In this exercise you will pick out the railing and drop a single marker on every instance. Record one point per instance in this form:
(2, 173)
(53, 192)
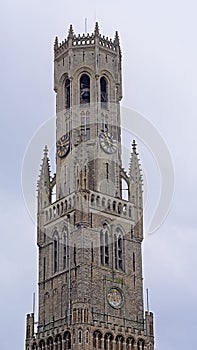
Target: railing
(92, 200)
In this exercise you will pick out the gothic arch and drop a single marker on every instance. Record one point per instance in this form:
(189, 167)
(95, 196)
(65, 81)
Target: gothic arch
(141, 344)
(97, 344)
(50, 343)
(119, 248)
(64, 247)
(77, 77)
(55, 237)
(41, 345)
(108, 341)
(119, 342)
(84, 88)
(104, 91)
(80, 336)
(67, 340)
(58, 341)
(130, 343)
(105, 243)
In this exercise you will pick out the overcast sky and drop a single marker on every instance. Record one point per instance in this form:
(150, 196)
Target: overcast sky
(158, 41)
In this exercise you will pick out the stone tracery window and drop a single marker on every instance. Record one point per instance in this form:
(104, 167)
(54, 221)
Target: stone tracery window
(111, 248)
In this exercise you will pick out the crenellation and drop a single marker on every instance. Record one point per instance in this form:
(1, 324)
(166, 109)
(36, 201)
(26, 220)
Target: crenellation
(86, 40)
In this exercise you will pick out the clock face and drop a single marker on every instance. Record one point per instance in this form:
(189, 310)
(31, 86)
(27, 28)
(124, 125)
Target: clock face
(63, 146)
(107, 142)
(115, 297)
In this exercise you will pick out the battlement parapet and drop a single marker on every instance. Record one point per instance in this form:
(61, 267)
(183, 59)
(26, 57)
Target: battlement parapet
(84, 40)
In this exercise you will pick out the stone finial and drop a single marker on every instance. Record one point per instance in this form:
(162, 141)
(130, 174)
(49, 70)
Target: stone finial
(134, 168)
(116, 39)
(44, 177)
(46, 151)
(56, 44)
(96, 30)
(70, 32)
(134, 146)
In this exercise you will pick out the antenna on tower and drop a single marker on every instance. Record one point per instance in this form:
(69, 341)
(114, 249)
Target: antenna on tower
(86, 25)
(147, 298)
(33, 304)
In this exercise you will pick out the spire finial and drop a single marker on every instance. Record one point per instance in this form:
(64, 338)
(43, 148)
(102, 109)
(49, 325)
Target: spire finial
(56, 43)
(134, 145)
(70, 32)
(116, 39)
(96, 31)
(46, 151)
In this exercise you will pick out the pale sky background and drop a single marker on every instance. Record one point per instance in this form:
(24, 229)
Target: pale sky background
(159, 46)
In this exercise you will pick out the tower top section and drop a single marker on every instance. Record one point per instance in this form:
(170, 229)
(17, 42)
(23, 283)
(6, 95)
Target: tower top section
(86, 40)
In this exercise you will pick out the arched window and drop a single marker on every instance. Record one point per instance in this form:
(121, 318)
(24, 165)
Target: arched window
(50, 343)
(58, 341)
(119, 342)
(80, 336)
(104, 246)
(140, 344)
(103, 89)
(130, 344)
(108, 341)
(67, 341)
(67, 93)
(65, 249)
(84, 89)
(118, 249)
(87, 337)
(97, 336)
(55, 252)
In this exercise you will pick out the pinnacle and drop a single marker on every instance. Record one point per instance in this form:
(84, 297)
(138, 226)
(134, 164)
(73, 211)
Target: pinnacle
(46, 151)
(70, 32)
(134, 146)
(116, 40)
(96, 31)
(56, 42)
(134, 169)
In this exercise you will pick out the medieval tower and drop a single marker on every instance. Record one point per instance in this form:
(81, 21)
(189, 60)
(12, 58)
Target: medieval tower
(89, 238)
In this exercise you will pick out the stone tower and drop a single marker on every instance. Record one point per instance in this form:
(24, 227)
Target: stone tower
(89, 238)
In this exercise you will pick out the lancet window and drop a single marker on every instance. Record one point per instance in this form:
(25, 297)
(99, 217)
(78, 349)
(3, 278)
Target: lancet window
(67, 93)
(103, 90)
(84, 89)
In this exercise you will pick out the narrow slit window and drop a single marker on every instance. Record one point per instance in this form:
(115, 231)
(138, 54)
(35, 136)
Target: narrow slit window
(107, 171)
(55, 256)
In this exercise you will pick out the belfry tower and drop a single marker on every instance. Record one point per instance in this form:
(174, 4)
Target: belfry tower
(89, 238)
